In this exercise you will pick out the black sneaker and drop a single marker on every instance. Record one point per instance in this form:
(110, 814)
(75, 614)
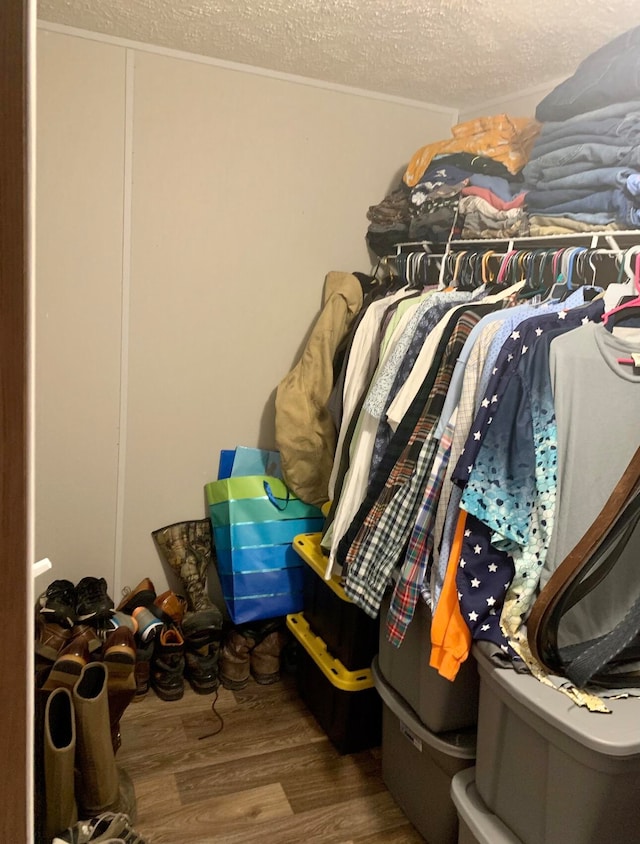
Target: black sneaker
(93, 601)
(58, 603)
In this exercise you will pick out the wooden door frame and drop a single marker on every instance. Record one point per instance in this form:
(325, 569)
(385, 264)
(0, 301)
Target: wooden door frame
(15, 381)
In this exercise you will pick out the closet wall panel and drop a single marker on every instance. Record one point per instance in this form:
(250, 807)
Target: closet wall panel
(522, 104)
(80, 144)
(246, 191)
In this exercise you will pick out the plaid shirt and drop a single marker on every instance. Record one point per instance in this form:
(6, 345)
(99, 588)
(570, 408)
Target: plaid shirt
(380, 542)
(414, 568)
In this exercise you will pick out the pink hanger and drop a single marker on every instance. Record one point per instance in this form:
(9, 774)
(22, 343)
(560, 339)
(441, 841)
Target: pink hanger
(633, 303)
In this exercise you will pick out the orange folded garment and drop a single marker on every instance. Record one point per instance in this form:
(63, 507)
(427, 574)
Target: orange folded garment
(505, 139)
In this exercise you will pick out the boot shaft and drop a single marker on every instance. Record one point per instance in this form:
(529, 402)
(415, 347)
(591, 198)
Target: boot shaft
(188, 549)
(59, 762)
(97, 785)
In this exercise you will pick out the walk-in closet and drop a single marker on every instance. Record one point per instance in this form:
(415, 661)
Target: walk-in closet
(320, 380)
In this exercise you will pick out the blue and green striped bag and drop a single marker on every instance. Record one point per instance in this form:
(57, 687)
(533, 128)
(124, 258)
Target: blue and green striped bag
(255, 519)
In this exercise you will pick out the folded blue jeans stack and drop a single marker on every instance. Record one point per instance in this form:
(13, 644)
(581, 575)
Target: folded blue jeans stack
(585, 163)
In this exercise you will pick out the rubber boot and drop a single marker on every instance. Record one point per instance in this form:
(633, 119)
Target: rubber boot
(59, 757)
(265, 655)
(235, 658)
(202, 633)
(100, 786)
(188, 549)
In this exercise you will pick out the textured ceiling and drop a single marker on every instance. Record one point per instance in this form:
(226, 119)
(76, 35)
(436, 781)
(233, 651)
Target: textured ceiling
(449, 52)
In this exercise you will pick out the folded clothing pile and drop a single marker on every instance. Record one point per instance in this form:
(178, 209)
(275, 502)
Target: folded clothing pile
(473, 176)
(584, 169)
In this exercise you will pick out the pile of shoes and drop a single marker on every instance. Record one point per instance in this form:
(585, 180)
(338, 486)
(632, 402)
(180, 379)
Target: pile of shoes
(83, 686)
(173, 642)
(108, 827)
(252, 650)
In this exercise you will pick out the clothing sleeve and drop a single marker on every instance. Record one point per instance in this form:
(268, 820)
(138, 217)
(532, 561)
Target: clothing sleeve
(450, 636)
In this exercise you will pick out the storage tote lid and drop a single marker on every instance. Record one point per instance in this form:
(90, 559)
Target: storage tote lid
(460, 744)
(486, 827)
(615, 734)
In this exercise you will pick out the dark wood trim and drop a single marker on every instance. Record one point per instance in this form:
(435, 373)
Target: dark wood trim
(14, 373)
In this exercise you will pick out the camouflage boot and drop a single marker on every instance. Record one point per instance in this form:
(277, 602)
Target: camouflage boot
(188, 548)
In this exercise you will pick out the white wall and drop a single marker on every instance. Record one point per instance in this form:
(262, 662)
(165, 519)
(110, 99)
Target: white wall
(187, 216)
(521, 104)
(79, 201)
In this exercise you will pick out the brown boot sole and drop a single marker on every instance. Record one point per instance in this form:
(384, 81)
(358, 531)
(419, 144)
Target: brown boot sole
(234, 685)
(65, 673)
(266, 679)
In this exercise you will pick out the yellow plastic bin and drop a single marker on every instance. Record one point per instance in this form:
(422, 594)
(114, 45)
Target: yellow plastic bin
(344, 703)
(348, 632)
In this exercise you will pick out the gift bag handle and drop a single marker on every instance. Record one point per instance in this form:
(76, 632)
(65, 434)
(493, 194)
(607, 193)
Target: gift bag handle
(272, 498)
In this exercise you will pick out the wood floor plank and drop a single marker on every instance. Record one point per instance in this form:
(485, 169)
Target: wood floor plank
(174, 743)
(238, 774)
(156, 797)
(204, 821)
(312, 776)
(406, 834)
(270, 777)
(333, 780)
(360, 818)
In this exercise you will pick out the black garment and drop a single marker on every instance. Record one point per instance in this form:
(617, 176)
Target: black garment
(476, 164)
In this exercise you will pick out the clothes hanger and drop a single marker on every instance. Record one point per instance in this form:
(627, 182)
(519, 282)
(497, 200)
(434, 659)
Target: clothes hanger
(625, 311)
(564, 284)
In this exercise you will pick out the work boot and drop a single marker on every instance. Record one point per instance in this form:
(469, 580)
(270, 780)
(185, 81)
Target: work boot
(202, 633)
(119, 655)
(188, 549)
(235, 658)
(265, 654)
(167, 665)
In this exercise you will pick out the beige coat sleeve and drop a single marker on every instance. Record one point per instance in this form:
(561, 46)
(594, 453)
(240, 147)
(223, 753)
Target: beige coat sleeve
(305, 433)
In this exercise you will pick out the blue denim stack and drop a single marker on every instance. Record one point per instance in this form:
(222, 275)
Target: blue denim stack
(585, 164)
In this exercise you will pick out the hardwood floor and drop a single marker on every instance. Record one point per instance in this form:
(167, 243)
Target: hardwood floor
(270, 776)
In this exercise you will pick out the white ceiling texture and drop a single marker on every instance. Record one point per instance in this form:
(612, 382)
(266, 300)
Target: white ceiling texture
(453, 53)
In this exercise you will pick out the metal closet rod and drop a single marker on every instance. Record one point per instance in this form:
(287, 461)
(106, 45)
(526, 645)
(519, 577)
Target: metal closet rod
(617, 241)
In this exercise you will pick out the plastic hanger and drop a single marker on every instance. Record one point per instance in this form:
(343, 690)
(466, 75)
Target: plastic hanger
(628, 309)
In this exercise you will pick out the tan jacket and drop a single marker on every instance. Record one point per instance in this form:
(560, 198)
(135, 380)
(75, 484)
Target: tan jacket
(305, 432)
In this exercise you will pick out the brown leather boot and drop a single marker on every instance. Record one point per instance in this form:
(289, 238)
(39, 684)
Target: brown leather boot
(68, 666)
(119, 656)
(51, 638)
(265, 657)
(235, 658)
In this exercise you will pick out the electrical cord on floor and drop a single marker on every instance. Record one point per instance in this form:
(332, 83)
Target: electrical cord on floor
(218, 716)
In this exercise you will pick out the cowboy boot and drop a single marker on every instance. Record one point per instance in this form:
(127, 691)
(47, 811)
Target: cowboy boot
(235, 658)
(265, 655)
(202, 633)
(188, 548)
(119, 655)
(59, 755)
